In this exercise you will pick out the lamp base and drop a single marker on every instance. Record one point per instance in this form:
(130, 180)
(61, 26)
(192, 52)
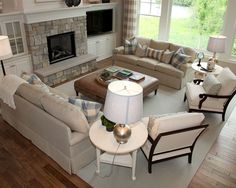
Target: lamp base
(121, 133)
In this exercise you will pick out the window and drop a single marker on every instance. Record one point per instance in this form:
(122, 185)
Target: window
(193, 21)
(15, 37)
(149, 18)
(234, 48)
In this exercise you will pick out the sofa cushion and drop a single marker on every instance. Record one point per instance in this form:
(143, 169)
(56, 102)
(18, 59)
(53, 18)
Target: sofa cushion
(130, 46)
(147, 63)
(143, 41)
(70, 114)
(167, 56)
(132, 59)
(155, 54)
(228, 80)
(141, 50)
(169, 69)
(159, 45)
(31, 93)
(211, 85)
(90, 109)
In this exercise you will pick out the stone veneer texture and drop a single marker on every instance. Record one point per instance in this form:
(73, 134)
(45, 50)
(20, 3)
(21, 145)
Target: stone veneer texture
(36, 35)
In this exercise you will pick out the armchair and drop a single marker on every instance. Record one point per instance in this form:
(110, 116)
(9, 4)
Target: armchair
(172, 136)
(200, 100)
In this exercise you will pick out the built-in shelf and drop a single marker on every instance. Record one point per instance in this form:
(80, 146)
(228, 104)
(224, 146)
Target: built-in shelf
(66, 64)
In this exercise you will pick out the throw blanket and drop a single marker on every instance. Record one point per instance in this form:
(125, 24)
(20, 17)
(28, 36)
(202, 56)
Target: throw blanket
(8, 87)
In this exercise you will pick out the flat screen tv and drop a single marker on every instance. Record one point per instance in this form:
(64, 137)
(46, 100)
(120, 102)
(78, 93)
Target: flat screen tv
(99, 21)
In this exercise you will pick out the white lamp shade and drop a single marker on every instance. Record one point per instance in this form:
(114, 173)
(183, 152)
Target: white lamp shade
(5, 48)
(216, 44)
(124, 102)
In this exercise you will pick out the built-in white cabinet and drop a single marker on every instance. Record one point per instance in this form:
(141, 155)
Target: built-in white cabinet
(17, 66)
(102, 45)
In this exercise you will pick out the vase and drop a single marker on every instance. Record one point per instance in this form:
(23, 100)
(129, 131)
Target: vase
(77, 2)
(69, 3)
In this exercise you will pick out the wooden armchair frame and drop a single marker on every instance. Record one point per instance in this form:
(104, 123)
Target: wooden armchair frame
(155, 143)
(203, 97)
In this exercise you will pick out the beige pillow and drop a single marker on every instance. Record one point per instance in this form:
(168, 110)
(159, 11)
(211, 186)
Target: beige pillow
(155, 54)
(70, 114)
(141, 50)
(228, 80)
(211, 85)
(167, 56)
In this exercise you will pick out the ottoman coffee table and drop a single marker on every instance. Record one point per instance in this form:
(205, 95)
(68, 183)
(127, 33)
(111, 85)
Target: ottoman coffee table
(91, 88)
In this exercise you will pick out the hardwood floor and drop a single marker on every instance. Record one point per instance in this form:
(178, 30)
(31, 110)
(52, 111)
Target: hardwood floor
(219, 167)
(24, 165)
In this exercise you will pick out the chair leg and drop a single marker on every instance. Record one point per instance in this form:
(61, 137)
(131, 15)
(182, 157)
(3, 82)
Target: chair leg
(185, 97)
(149, 167)
(190, 158)
(223, 116)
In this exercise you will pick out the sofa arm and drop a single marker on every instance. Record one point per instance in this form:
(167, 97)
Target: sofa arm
(119, 50)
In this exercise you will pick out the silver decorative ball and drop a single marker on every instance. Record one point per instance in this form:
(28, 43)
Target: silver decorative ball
(121, 133)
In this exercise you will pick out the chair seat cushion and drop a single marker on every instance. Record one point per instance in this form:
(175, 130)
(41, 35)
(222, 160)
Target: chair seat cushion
(193, 91)
(147, 63)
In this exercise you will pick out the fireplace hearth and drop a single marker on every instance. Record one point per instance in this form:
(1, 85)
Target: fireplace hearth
(61, 47)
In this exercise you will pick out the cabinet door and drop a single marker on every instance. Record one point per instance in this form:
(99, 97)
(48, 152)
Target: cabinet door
(14, 33)
(92, 47)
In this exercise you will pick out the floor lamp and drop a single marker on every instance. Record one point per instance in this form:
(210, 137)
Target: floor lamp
(5, 50)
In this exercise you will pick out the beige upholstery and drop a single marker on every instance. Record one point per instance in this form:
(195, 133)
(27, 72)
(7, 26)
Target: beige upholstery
(166, 73)
(199, 100)
(72, 150)
(172, 136)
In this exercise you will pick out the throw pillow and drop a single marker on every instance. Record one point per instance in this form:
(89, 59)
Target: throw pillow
(155, 54)
(141, 50)
(130, 46)
(89, 108)
(179, 59)
(167, 56)
(211, 85)
(34, 80)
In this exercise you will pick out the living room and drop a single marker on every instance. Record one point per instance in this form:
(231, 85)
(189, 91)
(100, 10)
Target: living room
(40, 156)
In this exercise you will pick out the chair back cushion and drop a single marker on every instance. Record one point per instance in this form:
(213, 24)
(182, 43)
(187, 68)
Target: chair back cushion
(228, 80)
(211, 85)
(174, 122)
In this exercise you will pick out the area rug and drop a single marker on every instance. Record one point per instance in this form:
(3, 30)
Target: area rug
(173, 173)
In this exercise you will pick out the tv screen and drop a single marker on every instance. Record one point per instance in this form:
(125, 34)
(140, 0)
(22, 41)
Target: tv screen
(99, 22)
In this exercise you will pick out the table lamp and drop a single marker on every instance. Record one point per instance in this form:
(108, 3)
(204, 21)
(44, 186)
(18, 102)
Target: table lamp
(5, 50)
(123, 105)
(216, 44)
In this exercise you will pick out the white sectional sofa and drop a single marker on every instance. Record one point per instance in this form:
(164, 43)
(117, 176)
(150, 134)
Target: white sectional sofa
(166, 73)
(53, 135)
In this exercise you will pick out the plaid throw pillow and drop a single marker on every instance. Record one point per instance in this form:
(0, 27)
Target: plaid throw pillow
(180, 58)
(130, 46)
(89, 108)
(155, 54)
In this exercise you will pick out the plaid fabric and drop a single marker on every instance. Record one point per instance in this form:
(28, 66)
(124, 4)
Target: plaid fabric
(130, 46)
(179, 59)
(141, 50)
(89, 108)
(130, 18)
(167, 56)
(155, 54)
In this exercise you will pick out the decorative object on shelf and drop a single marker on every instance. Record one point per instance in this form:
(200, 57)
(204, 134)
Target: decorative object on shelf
(94, 1)
(123, 105)
(71, 3)
(200, 56)
(105, 1)
(108, 124)
(5, 50)
(216, 44)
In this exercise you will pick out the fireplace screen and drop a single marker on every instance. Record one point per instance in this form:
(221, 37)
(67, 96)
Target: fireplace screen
(61, 47)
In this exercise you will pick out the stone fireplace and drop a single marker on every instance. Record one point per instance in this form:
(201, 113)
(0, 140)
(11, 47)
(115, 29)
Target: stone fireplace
(38, 34)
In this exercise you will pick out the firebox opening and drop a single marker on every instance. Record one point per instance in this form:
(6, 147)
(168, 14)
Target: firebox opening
(61, 47)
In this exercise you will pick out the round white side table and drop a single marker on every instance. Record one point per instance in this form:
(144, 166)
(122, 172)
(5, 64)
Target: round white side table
(203, 68)
(126, 154)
